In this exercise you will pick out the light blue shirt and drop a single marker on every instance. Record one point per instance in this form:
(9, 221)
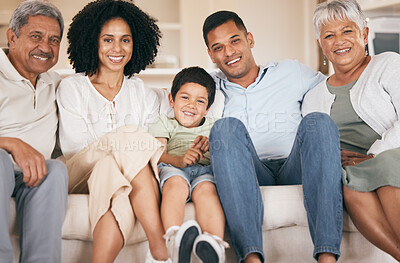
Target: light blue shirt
(270, 108)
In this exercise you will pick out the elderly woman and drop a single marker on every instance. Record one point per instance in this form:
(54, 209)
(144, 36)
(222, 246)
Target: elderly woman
(363, 98)
(104, 113)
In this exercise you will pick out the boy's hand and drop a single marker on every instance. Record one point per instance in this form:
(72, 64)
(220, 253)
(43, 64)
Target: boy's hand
(191, 157)
(201, 142)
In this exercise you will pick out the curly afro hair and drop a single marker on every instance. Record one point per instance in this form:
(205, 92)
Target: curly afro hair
(83, 35)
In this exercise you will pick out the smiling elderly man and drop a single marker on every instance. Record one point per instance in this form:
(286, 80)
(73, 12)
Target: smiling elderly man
(28, 124)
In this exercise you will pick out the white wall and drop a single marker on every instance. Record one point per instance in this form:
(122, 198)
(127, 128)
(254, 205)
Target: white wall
(6, 9)
(68, 8)
(193, 14)
(9, 4)
(282, 28)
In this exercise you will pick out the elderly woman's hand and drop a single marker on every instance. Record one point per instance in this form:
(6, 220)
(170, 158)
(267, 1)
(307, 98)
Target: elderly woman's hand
(350, 158)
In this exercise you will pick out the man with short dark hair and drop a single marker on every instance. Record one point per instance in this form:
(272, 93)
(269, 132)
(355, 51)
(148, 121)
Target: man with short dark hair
(264, 140)
(28, 125)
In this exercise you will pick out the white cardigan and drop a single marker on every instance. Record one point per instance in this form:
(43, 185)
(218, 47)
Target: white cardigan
(375, 98)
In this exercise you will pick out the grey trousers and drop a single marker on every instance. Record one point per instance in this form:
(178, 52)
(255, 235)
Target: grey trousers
(40, 212)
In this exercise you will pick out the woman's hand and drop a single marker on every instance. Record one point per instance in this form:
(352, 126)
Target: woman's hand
(350, 158)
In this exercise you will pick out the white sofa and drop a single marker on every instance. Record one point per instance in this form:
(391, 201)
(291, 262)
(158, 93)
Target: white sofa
(285, 231)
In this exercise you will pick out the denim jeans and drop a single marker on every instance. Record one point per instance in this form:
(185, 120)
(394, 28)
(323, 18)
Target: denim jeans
(314, 161)
(192, 174)
(40, 212)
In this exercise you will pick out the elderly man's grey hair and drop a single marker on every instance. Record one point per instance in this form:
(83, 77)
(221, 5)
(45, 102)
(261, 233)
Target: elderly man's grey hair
(34, 8)
(332, 10)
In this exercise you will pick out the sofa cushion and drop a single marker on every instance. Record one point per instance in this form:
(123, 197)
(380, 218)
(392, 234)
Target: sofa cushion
(77, 225)
(283, 207)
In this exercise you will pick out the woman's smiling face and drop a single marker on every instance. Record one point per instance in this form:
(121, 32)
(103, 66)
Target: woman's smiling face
(115, 45)
(343, 43)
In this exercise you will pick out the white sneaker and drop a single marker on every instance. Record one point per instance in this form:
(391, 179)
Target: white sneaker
(209, 248)
(150, 259)
(180, 241)
(169, 237)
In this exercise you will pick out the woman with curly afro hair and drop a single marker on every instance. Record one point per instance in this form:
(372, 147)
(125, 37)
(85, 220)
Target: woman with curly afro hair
(104, 113)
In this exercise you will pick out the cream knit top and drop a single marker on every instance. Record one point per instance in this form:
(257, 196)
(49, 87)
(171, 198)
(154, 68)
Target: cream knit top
(375, 98)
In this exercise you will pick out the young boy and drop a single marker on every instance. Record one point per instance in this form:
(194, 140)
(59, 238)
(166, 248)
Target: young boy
(185, 171)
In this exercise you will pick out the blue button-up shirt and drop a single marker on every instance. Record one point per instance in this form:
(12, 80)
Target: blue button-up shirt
(270, 108)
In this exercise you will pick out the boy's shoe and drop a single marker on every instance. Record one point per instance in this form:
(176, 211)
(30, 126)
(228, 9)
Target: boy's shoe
(209, 248)
(180, 241)
(150, 259)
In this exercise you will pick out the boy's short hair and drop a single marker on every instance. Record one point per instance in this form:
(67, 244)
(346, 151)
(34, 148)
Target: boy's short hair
(195, 75)
(221, 17)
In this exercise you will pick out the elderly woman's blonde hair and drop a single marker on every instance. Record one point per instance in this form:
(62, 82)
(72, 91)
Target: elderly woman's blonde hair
(342, 10)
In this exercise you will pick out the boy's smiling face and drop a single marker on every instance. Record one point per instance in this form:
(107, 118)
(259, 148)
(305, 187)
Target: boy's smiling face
(190, 105)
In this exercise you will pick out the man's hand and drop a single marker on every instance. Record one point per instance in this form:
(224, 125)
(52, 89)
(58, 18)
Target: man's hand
(350, 158)
(201, 142)
(31, 162)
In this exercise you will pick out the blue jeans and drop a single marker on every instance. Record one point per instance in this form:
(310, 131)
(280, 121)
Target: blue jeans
(314, 162)
(40, 212)
(192, 174)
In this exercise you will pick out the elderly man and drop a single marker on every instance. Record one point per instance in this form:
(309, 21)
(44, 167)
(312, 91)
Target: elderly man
(28, 124)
